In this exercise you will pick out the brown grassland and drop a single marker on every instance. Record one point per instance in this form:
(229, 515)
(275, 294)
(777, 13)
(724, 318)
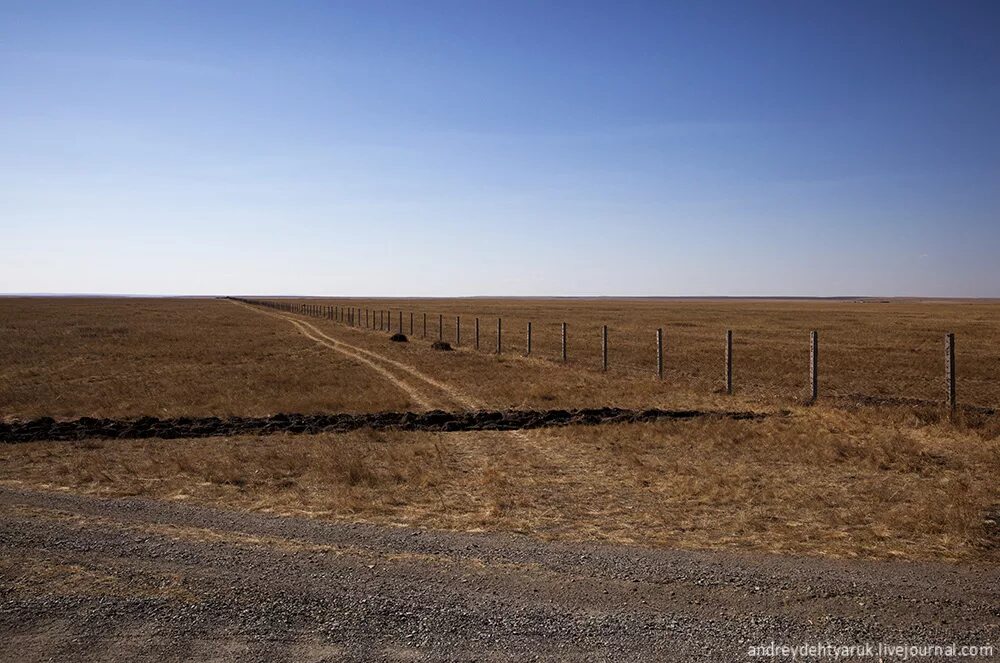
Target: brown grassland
(870, 347)
(835, 478)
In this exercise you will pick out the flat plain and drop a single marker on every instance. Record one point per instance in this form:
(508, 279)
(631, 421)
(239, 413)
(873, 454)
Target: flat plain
(875, 468)
(674, 539)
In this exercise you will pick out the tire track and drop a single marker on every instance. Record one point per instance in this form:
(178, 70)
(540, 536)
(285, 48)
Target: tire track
(454, 394)
(411, 391)
(383, 365)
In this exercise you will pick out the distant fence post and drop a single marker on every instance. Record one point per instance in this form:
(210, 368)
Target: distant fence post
(564, 353)
(499, 334)
(659, 353)
(440, 326)
(813, 365)
(458, 330)
(336, 313)
(381, 319)
(529, 339)
(367, 325)
(400, 322)
(604, 348)
(477, 333)
(425, 325)
(411, 323)
(729, 361)
(949, 369)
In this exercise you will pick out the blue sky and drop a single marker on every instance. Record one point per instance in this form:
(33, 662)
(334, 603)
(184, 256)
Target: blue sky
(506, 148)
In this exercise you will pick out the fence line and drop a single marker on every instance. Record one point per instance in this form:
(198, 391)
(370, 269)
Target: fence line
(351, 316)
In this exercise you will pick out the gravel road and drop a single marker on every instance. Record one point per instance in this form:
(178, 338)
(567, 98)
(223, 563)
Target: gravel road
(89, 579)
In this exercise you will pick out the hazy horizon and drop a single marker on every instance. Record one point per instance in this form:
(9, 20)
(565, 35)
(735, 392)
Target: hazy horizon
(449, 149)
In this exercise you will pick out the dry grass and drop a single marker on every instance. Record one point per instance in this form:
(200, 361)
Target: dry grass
(876, 347)
(817, 482)
(889, 482)
(169, 357)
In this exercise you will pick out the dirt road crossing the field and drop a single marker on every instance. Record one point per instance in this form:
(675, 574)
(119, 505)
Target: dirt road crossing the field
(430, 393)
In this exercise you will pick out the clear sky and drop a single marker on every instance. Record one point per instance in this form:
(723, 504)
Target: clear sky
(507, 148)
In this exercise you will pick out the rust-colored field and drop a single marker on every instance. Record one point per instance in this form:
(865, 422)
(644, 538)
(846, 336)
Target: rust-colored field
(833, 478)
(871, 347)
(72, 357)
(171, 357)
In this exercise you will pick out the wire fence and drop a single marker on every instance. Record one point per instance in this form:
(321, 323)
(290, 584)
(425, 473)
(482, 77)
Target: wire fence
(762, 361)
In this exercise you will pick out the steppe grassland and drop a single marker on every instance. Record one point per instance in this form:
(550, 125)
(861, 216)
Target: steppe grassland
(874, 483)
(824, 479)
(73, 357)
(872, 347)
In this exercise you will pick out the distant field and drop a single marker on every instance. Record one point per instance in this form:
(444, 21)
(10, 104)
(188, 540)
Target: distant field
(891, 348)
(168, 357)
(172, 357)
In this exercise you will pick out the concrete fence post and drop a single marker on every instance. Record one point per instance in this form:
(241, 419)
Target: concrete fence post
(729, 361)
(604, 348)
(564, 349)
(659, 353)
(949, 370)
(813, 365)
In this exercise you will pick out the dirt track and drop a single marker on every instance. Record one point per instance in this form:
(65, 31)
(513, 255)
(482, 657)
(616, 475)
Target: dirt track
(419, 386)
(90, 579)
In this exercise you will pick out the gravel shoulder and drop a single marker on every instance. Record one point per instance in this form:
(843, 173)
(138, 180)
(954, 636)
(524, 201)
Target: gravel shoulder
(90, 579)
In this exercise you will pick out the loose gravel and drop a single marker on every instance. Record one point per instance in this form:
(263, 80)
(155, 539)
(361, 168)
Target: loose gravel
(169, 582)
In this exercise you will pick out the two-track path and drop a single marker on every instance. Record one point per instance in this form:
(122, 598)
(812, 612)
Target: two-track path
(423, 389)
(89, 579)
